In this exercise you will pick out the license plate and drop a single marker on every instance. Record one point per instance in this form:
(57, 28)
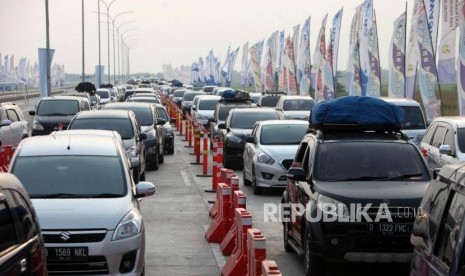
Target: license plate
(389, 229)
(67, 253)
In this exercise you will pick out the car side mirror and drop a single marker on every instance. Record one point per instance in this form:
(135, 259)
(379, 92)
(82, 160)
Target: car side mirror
(32, 113)
(142, 136)
(135, 162)
(144, 189)
(296, 174)
(194, 108)
(445, 149)
(5, 122)
(249, 139)
(420, 230)
(222, 126)
(161, 122)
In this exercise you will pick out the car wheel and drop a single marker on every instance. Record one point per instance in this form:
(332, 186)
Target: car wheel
(256, 190)
(226, 162)
(155, 161)
(171, 150)
(244, 179)
(142, 177)
(161, 158)
(313, 265)
(286, 227)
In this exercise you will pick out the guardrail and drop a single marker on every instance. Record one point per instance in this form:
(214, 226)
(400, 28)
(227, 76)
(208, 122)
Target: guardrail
(27, 94)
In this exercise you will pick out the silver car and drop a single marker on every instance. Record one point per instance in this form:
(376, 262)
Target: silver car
(205, 108)
(86, 201)
(295, 107)
(269, 152)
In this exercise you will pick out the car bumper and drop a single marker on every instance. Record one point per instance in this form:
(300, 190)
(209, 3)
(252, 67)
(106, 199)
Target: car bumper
(169, 141)
(270, 175)
(104, 257)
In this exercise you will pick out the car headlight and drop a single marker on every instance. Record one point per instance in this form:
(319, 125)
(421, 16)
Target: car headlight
(129, 226)
(265, 158)
(234, 138)
(132, 151)
(332, 207)
(37, 126)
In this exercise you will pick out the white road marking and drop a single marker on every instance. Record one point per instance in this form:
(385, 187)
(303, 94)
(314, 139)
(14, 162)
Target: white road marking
(185, 178)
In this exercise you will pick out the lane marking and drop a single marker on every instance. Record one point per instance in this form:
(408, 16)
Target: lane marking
(185, 178)
(220, 259)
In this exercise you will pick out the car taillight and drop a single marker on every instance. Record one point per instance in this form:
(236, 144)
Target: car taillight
(424, 152)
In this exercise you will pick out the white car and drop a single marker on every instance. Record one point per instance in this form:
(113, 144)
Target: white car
(86, 202)
(269, 152)
(205, 108)
(295, 107)
(105, 95)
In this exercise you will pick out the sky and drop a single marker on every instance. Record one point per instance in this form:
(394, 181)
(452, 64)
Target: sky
(175, 32)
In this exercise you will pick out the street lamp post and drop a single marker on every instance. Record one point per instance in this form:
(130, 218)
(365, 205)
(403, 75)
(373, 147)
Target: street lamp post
(99, 77)
(121, 41)
(47, 46)
(113, 20)
(108, 6)
(83, 77)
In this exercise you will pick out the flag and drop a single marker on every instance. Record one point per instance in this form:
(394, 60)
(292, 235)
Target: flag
(319, 62)
(427, 71)
(353, 64)
(411, 59)
(279, 61)
(432, 10)
(355, 88)
(289, 67)
(461, 61)
(202, 79)
(231, 62)
(304, 64)
(255, 57)
(267, 67)
(396, 57)
(274, 52)
(333, 47)
(245, 58)
(446, 49)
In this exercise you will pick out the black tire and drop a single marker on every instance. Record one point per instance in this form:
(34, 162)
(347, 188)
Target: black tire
(286, 228)
(256, 190)
(142, 177)
(171, 150)
(244, 180)
(155, 162)
(227, 163)
(313, 265)
(161, 158)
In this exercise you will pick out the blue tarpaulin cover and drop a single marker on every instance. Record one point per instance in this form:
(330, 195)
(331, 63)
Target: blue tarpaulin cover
(355, 110)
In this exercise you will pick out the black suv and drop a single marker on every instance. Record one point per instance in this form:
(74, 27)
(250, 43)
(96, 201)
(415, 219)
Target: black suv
(238, 126)
(22, 250)
(352, 195)
(439, 229)
(270, 99)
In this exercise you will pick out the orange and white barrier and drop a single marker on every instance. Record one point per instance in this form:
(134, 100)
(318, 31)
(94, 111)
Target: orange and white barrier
(256, 244)
(222, 222)
(269, 267)
(229, 242)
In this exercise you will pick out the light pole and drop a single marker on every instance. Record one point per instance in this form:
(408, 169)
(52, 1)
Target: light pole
(108, 6)
(122, 39)
(47, 46)
(99, 77)
(113, 20)
(83, 77)
(128, 49)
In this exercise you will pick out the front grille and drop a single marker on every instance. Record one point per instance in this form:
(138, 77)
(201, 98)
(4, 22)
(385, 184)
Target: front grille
(74, 236)
(93, 266)
(282, 178)
(287, 163)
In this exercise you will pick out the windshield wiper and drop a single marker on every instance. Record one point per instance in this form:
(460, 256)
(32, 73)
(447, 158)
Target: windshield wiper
(105, 195)
(403, 176)
(359, 178)
(61, 195)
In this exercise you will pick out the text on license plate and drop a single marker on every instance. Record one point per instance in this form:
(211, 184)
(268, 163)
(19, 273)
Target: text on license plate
(389, 228)
(67, 253)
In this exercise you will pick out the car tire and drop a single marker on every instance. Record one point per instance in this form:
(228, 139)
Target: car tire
(244, 179)
(227, 163)
(142, 177)
(286, 228)
(313, 265)
(154, 163)
(171, 150)
(256, 189)
(161, 157)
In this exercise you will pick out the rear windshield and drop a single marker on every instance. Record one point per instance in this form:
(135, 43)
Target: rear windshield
(190, 96)
(413, 118)
(269, 101)
(178, 93)
(224, 110)
(143, 114)
(143, 100)
(71, 176)
(58, 108)
(103, 94)
(369, 161)
(121, 125)
(296, 105)
(208, 104)
(282, 134)
(248, 120)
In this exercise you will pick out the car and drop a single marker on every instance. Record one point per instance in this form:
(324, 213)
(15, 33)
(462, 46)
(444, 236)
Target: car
(205, 108)
(255, 96)
(295, 107)
(168, 132)
(414, 124)
(13, 126)
(113, 95)
(195, 102)
(353, 187)
(439, 228)
(443, 142)
(177, 96)
(219, 91)
(22, 249)
(188, 100)
(151, 125)
(270, 99)
(87, 102)
(86, 201)
(269, 152)
(95, 101)
(237, 127)
(105, 95)
(221, 112)
(126, 124)
(55, 113)
(208, 89)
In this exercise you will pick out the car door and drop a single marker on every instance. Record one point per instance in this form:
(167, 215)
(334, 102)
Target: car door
(158, 130)
(9, 240)
(434, 157)
(250, 150)
(17, 127)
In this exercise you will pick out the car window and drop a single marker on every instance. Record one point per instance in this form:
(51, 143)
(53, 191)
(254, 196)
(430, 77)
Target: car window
(103, 94)
(247, 120)
(12, 115)
(449, 139)
(143, 114)
(269, 101)
(449, 232)
(429, 133)
(223, 112)
(207, 104)
(461, 139)
(57, 107)
(413, 118)
(282, 134)
(24, 215)
(189, 96)
(71, 176)
(301, 104)
(368, 161)
(7, 228)
(179, 93)
(162, 114)
(122, 126)
(438, 136)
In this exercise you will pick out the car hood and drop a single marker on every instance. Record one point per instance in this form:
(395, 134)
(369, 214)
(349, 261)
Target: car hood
(394, 193)
(81, 213)
(296, 114)
(206, 113)
(280, 151)
(240, 132)
(128, 143)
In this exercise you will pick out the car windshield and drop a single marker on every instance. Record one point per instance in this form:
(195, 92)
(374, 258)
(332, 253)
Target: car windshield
(103, 94)
(71, 176)
(224, 110)
(162, 113)
(143, 100)
(367, 160)
(178, 93)
(270, 101)
(295, 105)
(58, 107)
(208, 104)
(143, 114)
(121, 125)
(413, 118)
(282, 134)
(247, 120)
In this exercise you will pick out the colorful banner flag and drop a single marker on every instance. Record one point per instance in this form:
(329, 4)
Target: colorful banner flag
(304, 64)
(427, 71)
(274, 53)
(231, 62)
(245, 58)
(353, 64)
(290, 67)
(255, 57)
(461, 61)
(396, 57)
(355, 88)
(267, 67)
(333, 47)
(446, 49)
(411, 59)
(279, 61)
(319, 59)
(432, 10)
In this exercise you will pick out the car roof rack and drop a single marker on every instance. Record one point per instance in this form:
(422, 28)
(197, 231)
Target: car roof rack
(351, 128)
(235, 96)
(274, 93)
